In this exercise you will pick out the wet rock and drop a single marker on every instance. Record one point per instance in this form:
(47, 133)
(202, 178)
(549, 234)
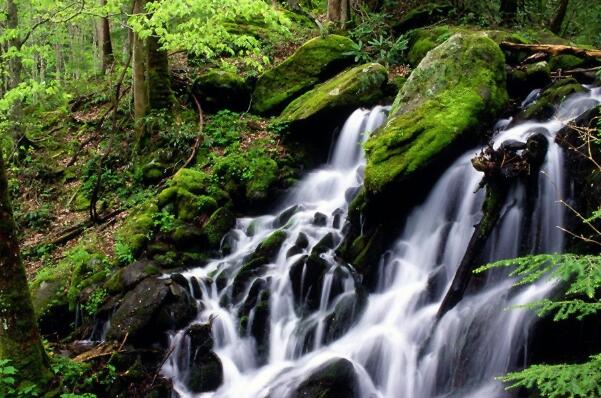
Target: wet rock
(206, 370)
(306, 276)
(285, 216)
(180, 280)
(302, 241)
(334, 379)
(320, 219)
(270, 246)
(544, 107)
(196, 291)
(149, 310)
(293, 251)
(337, 214)
(343, 316)
(326, 243)
(250, 270)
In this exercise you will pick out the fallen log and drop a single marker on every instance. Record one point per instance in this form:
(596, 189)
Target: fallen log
(552, 49)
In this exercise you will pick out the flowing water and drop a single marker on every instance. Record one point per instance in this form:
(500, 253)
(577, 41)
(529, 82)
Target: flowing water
(395, 345)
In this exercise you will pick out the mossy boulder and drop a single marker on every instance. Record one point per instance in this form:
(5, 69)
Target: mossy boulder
(457, 86)
(544, 107)
(566, 62)
(315, 61)
(422, 15)
(220, 89)
(421, 41)
(136, 231)
(359, 86)
(220, 222)
(334, 379)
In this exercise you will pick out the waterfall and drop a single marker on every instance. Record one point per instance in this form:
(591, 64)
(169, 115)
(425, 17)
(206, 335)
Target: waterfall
(396, 346)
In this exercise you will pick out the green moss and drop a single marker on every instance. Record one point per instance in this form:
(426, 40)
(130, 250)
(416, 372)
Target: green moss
(566, 62)
(359, 86)
(312, 63)
(191, 180)
(220, 222)
(421, 41)
(137, 229)
(221, 89)
(544, 107)
(456, 86)
(270, 246)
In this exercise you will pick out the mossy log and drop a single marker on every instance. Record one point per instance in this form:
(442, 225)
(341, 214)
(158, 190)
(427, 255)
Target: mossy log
(552, 49)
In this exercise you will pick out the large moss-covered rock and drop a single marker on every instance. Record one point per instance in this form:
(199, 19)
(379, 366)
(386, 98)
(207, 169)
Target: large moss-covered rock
(360, 86)
(457, 87)
(314, 62)
(220, 89)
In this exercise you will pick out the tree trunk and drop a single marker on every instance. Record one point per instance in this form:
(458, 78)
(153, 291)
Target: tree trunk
(15, 64)
(339, 11)
(139, 76)
(509, 9)
(20, 340)
(157, 77)
(560, 15)
(104, 42)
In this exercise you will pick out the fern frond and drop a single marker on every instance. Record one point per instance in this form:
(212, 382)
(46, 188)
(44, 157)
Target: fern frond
(560, 381)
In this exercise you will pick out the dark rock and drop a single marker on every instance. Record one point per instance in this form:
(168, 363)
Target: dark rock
(180, 280)
(149, 310)
(250, 270)
(334, 379)
(205, 373)
(326, 243)
(306, 276)
(196, 291)
(285, 216)
(201, 339)
(337, 222)
(270, 246)
(320, 219)
(302, 241)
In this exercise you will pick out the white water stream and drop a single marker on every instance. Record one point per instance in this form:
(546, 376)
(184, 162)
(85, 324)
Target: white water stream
(395, 345)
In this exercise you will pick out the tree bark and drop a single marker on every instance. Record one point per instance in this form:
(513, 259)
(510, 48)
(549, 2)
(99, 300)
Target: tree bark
(339, 11)
(509, 9)
(139, 76)
(160, 95)
(20, 340)
(104, 42)
(560, 15)
(15, 64)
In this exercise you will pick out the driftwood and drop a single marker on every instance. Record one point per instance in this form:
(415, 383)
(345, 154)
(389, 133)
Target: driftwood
(199, 137)
(552, 49)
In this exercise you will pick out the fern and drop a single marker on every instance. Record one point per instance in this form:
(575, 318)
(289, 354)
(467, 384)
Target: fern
(555, 381)
(580, 274)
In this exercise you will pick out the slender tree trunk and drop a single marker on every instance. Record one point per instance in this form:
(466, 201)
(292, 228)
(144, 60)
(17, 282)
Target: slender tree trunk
(509, 9)
(104, 42)
(339, 11)
(139, 76)
(560, 15)
(15, 64)
(20, 340)
(160, 95)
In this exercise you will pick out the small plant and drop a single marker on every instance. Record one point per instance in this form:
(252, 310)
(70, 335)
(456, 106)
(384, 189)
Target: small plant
(8, 383)
(124, 253)
(164, 221)
(94, 302)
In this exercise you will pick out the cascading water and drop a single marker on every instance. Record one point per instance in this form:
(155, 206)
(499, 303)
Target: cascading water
(396, 346)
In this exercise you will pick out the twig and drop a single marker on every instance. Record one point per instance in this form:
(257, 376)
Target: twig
(199, 137)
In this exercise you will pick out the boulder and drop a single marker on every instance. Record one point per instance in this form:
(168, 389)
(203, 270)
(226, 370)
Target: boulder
(220, 89)
(315, 61)
(361, 86)
(149, 310)
(457, 87)
(334, 379)
(205, 372)
(441, 110)
(544, 107)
